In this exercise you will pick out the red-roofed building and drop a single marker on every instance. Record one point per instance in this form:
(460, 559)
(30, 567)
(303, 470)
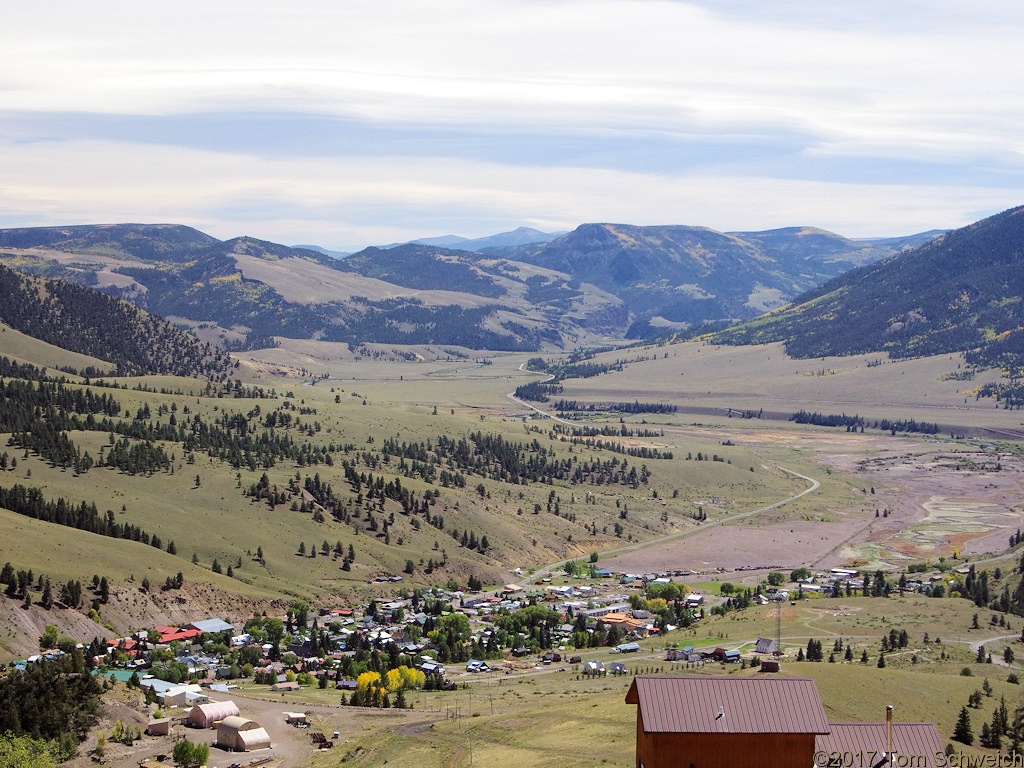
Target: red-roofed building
(172, 634)
(754, 722)
(872, 739)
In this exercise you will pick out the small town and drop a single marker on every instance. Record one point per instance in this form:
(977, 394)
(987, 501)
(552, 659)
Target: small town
(581, 622)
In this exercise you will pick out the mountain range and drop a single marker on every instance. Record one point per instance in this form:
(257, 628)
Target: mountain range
(598, 281)
(960, 291)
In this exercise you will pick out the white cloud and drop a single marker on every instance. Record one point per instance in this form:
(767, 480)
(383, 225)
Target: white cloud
(355, 201)
(795, 94)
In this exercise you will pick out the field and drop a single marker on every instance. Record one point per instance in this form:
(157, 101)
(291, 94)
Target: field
(875, 500)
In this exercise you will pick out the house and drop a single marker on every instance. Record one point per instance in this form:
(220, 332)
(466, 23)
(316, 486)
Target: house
(722, 722)
(285, 686)
(618, 668)
(918, 739)
(474, 665)
(431, 668)
(626, 648)
(682, 654)
(758, 722)
(175, 634)
(593, 668)
(239, 734)
(765, 645)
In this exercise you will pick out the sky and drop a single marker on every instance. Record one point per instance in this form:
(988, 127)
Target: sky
(352, 123)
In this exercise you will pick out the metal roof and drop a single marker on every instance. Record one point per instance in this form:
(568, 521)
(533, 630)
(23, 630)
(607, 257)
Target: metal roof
(728, 705)
(907, 739)
(212, 625)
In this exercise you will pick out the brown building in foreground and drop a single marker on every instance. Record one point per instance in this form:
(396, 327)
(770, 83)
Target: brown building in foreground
(754, 722)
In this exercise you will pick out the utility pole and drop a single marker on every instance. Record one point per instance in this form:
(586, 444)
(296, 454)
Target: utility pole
(778, 628)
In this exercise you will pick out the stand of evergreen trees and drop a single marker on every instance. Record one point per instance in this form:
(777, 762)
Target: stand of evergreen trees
(56, 701)
(83, 516)
(92, 323)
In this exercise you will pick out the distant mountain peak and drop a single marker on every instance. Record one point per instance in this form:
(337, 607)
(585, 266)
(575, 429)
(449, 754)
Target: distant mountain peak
(516, 237)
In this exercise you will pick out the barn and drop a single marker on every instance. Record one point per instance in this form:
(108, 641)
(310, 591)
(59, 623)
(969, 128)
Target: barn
(239, 734)
(207, 715)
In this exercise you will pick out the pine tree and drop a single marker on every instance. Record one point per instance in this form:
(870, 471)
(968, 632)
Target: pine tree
(963, 732)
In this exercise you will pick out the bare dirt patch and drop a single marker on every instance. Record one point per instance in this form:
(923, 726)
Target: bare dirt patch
(784, 545)
(916, 499)
(940, 500)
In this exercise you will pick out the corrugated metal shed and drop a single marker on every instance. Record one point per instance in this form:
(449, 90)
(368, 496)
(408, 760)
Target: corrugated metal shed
(728, 705)
(907, 739)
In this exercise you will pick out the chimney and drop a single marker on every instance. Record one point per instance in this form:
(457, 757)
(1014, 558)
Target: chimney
(888, 733)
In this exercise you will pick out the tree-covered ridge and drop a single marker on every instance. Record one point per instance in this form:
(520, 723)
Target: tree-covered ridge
(426, 268)
(84, 516)
(961, 291)
(92, 323)
(493, 457)
(212, 289)
(40, 415)
(146, 242)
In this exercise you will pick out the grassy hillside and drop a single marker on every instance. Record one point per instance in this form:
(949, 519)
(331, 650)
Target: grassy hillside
(390, 418)
(228, 501)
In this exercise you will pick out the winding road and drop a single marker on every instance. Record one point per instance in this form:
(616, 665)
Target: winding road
(702, 527)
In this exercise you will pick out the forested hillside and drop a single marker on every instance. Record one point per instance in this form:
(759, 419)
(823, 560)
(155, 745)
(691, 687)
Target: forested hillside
(146, 242)
(959, 292)
(686, 275)
(92, 323)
